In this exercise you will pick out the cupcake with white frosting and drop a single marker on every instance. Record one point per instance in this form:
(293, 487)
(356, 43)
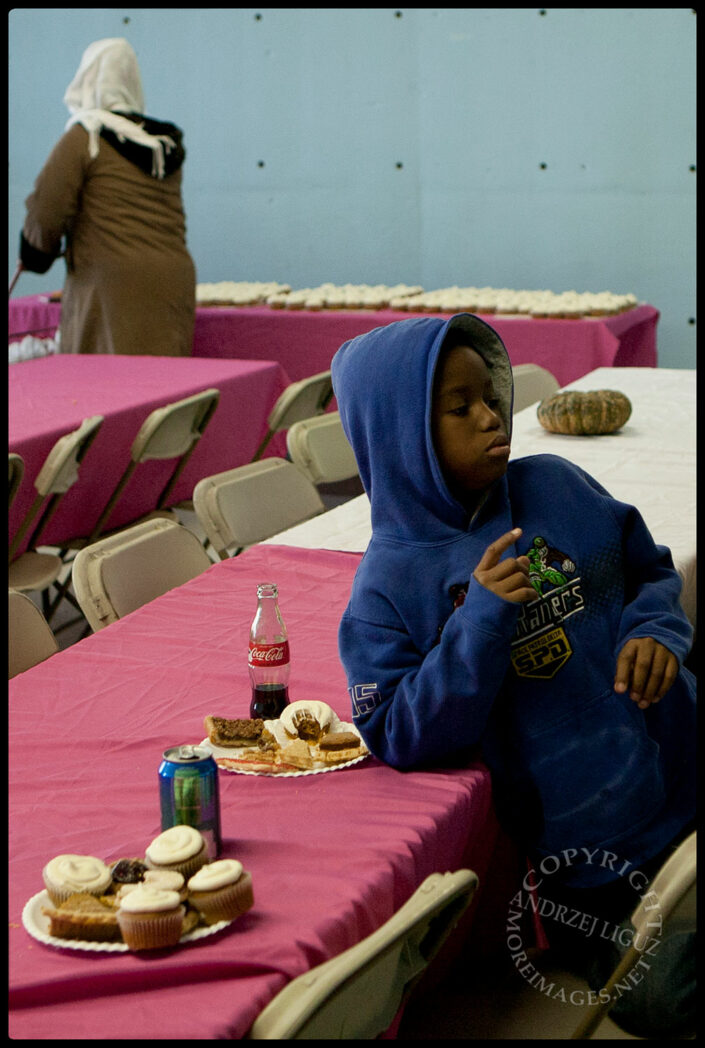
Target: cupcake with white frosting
(150, 918)
(65, 875)
(180, 848)
(169, 880)
(221, 891)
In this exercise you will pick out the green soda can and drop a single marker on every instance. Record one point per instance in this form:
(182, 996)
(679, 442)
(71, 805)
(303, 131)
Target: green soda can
(189, 793)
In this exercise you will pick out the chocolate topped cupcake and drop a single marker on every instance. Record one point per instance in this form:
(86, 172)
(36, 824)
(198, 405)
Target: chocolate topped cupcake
(127, 871)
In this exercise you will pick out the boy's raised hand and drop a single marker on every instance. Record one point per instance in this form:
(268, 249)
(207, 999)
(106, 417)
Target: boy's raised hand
(508, 578)
(646, 669)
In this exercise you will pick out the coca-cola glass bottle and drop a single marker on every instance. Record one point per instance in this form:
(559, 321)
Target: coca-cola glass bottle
(268, 658)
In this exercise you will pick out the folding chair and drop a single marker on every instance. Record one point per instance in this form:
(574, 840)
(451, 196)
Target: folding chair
(244, 505)
(531, 384)
(29, 635)
(304, 399)
(33, 570)
(668, 903)
(169, 432)
(16, 473)
(319, 447)
(121, 572)
(357, 994)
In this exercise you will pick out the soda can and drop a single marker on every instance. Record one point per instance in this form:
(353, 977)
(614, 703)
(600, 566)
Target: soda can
(189, 793)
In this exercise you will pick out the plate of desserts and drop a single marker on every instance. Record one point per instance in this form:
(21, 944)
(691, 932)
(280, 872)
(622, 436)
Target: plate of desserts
(307, 739)
(173, 896)
(37, 922)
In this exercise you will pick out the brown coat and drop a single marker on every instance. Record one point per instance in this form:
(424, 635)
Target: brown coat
(130, 282)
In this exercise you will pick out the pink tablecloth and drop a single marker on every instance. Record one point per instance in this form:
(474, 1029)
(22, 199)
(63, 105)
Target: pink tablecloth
(304, 341)
(51, 395)
(332, 855)
(32, 315)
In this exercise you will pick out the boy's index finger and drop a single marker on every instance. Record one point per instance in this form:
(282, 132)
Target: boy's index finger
(495, 549)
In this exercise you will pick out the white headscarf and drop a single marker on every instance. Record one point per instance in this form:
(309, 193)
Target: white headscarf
(108, 80)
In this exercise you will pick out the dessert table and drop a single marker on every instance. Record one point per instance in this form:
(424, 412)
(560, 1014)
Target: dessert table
(32, 315)
(650, 463)
(304, 341)
(332, 855)
(50, 396)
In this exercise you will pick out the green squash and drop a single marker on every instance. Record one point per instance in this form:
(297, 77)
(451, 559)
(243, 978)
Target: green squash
(583, 414)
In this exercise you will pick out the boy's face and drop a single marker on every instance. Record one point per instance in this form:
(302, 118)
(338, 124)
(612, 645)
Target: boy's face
(468, 433)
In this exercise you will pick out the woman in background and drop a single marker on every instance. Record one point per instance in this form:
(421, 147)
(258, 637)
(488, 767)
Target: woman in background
(112, 188)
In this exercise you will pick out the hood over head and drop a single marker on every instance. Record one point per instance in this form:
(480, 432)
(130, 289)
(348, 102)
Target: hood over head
(383, 382)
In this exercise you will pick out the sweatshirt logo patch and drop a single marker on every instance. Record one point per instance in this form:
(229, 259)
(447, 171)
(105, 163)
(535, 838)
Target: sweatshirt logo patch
(541, 647)
(543, 656)
(364, 698)
(542, 557)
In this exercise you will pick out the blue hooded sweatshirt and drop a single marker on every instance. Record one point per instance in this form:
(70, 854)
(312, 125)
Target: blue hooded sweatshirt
(437, 665)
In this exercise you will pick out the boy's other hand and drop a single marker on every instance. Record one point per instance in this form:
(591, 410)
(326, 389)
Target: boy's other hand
(646, 669)
(508, 578)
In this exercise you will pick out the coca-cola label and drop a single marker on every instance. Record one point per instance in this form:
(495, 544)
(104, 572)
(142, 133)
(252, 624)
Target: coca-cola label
(269, 654)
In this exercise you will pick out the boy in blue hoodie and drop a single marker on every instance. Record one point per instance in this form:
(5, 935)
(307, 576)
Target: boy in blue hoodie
(518, 607)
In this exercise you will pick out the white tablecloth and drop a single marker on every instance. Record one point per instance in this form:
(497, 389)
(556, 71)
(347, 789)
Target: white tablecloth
(649, 463)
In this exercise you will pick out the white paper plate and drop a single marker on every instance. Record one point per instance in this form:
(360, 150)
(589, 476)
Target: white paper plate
(218, 752)
(37, 924)
(227, 751)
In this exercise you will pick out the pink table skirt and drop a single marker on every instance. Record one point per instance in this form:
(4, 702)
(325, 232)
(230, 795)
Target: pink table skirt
(32, 315)
(305, 341)
(51, 395)
(331, 855)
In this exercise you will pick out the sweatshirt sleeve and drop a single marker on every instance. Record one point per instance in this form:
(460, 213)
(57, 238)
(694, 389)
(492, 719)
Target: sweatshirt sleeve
(54, 202)
(652, 591)
(412, 708)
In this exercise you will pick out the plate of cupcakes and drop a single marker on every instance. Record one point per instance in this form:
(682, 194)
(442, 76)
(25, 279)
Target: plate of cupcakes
(171, 897)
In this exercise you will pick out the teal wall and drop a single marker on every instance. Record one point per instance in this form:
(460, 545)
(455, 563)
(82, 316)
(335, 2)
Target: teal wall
(381, 145)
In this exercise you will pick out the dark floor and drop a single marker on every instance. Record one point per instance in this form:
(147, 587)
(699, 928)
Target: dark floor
(492, 1001)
